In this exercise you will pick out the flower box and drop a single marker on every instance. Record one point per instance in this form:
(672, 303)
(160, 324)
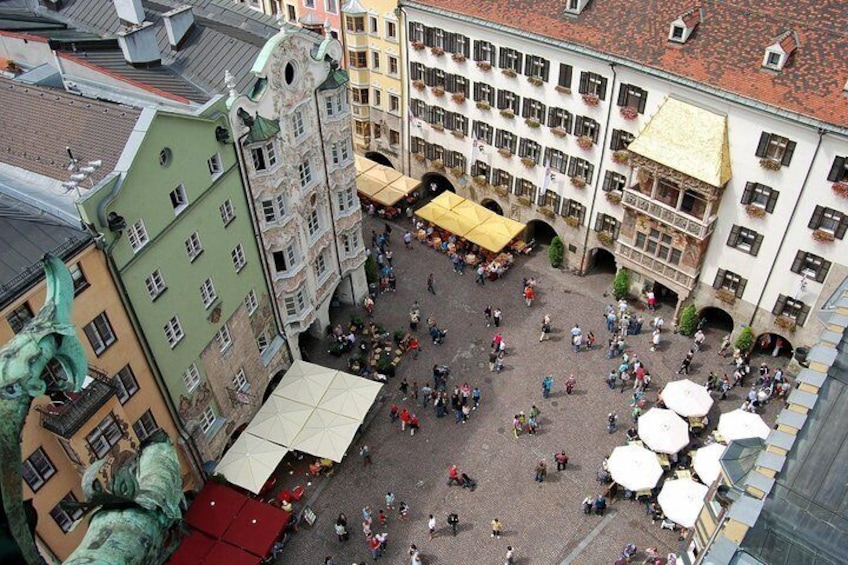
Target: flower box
(509, 72)
(438, 91)
(480, 180)
(417, 45)
(524, 201)
(578, 182)
(528, 162)
(614, 197)
(785, 322)
(629, 112)
(823, 236)
(419, 157)
(535, 81)
(585, 142)
(502, 191)
(591, 99)
(483, 105)
(622, 156)
(841, 189)
(458, 97)
(437, 126)
(605, 238)
(770, 164)
(559, 132)
(419, 84)
(457, 171)
(437, 164)
(725, 296)
(562, 89)
(755, 211)
(572, 221)
(547, 212)
(507, 113)
(484, 66)
(437, 51)
(458, 57)
(458, 133)
(532, 122)
(504, 152)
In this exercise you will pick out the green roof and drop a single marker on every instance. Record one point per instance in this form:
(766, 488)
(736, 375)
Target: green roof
(263, 129)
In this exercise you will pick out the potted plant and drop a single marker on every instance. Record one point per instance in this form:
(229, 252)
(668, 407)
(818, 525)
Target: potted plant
(621, 284)
(556, 252)
(532, 122)
(688, 320)
(559, 131)
(785, 322)
(480, 180)
(437, 51)
(605, 238)
(524, 201)
(419, 157)
(585, 142)
(572, 221)
(770, 164)
(417, 45)
(528, 162)
(483, 105)
(458, 97)
(629, 112)
(509, 72)
(823, 236)
(438, 91)
(535, 81)
(357, 322)
(591, 99)
(547, 211)
(614, 197)
(484, 66)
(458, 133)
(562, 89)
(398, 336)
(438, 126)
(622, 156)
(578, 182)
(437, 164)
(419, 84)
(502, 191)
(505, 152)
(507, 113)
(755, 211)
(725, 296)
(457, 171)
(841, 189)
(458, 57)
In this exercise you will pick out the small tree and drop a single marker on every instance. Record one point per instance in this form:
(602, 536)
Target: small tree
(556, 252)
(688, 320)
(372, 275)
(745, 340)
(621, 284)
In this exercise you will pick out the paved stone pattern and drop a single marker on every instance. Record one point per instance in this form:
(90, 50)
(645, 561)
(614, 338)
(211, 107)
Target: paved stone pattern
(544, 523)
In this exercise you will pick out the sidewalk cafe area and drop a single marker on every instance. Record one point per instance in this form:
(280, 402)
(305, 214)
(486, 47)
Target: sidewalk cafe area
(384, 191)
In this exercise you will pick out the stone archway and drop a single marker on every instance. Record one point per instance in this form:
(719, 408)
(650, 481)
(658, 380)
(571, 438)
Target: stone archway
(490, 204)
(717, 319)
(379, 158)
(601, 260)
(541, 232)
(434, 184)
(768, 342)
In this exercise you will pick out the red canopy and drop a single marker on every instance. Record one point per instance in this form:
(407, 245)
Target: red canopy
(214, 509)
(256, 527)
(225, 553)
(192, 550)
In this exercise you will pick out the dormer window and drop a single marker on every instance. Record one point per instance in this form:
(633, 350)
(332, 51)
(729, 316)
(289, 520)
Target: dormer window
(684, 25)
(677, 33)
(575, 6)
(773, 59)
(777, 54)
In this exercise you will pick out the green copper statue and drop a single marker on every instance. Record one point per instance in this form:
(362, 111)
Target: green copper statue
(130, 520)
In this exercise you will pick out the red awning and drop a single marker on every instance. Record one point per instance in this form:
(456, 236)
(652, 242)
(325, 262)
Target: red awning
(192, 550)
(214, 509)
(256, 527)
(225, 553)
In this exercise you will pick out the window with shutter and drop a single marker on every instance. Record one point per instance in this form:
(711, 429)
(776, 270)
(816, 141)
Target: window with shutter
(565, 72)
(719, 279)
(775, 148)
(829, 220)
(838, 170)
(779, 305)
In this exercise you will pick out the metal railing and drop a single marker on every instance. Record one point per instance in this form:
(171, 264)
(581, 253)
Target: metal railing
(66, 419)
(687, 224)
(35, 271)
(657, 266)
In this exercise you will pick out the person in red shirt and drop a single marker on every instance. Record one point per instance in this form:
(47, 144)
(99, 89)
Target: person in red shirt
(413, 424)
(453, 475)
(404, 419)
(374, 546)
(414, 346)
(529, 295)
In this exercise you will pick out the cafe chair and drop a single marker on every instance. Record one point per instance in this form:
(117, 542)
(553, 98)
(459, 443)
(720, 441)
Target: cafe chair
(298, 492)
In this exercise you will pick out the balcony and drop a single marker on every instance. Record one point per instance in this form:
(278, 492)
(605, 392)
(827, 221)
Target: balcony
(700, 229)
(361, 111)
(65, 417)
(673, 274)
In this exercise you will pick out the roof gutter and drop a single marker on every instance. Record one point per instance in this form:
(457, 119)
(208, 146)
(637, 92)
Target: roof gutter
(627, 63)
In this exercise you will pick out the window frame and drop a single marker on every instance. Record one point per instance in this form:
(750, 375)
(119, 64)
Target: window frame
(71, 517)
(251, 302)
(104, 429)
(228, 213)
(19, 317)
(137, 236)
(193, 247)
(208, 294)
(191, 377)
(174, 332)
(94, 329)
(125, 383)
(730, 282)
(775, 148)
(223, 338)
(43, 475)
(141, 424)
(78, 277)
(736, 234)
(238, 257)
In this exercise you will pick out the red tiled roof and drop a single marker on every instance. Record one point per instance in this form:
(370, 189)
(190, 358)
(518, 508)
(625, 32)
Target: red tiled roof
(692, 17)
(727, 50)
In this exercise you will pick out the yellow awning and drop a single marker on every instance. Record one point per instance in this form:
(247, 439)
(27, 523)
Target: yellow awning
(473, 211)
(487, 240)
(456, 224)
(383, 174)
(448, 200)
(406, 184)
(495, 233)
(688, 139)
(368, 186)
(362, 164)
(389, 196)
(431, 212)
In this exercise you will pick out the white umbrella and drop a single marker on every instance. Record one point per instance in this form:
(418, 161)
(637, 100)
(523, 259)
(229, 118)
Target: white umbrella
(706, 462)
(634, 467)
(663, 430)
(326, 434)
(279, 420)
(687, 398)
(305, 382)
(350, 396)
(250, 461)
(740, 424)
(681, 501)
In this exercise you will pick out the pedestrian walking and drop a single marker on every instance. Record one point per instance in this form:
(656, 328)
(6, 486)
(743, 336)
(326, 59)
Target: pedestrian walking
(431, 527)
(430, 281)
(497, 317)
(404, 419)
(488, 315)
(611, 378)
(612, 418)
(480, 277)
(547, 384)
(570, 383)
(499, 362)
(561, 460)
(699, 340)
(541, 470)
(497, 528)
(510, 555)
(453, 522)
(365, 453)
(407, 239)
(403, 510)
(453, 475)
(341, 531)
(475, 397)
(655, 340)
(687, 361)
(390, 500)
(546, 328)
(381, 517)
(529, 295)
(414, 555)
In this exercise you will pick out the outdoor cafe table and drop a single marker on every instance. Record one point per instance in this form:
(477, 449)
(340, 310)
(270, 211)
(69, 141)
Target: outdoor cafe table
(214, 508)
(257, 527)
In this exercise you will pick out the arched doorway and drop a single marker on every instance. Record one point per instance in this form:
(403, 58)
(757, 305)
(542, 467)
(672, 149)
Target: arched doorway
(273, 384)
(235, 435)
(541, 232)
(434, 184)
(717, 319)
(665, 296)
(601, 260)
(379, 158)
(773, 345)
(490, 204)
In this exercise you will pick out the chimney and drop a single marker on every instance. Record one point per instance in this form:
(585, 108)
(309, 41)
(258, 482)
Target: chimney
(139, 46)
(178, 22)
(130, 11)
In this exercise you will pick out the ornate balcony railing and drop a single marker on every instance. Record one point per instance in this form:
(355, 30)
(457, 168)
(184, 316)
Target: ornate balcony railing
(672, 273)
(67, 418)
(680, 221)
